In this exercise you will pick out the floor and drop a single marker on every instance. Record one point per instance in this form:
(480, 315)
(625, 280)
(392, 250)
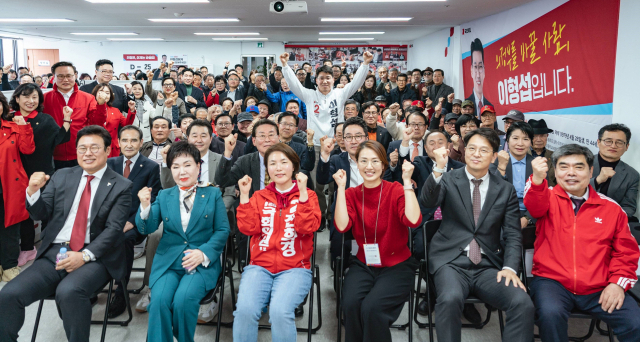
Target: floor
(51, 329)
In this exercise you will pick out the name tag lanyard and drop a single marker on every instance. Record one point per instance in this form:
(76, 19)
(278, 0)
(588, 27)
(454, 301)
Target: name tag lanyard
(371, 251)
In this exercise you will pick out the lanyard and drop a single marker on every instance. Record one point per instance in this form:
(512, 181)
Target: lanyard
(377, 215)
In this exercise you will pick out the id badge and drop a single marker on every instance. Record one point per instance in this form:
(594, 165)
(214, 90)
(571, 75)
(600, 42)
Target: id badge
(372, 254)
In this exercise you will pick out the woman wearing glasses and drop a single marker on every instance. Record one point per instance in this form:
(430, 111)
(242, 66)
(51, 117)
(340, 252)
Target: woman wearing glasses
(378, 214)
(167, 102)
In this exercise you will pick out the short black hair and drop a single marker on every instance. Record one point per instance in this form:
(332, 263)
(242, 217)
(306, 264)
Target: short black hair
(476, 45)
(488, 133)
(95, 130)
(441, 72)
(355, 121)
(200, 123)
(403, 75)
(570, 150)
(416, 70)
(185, 116)
(234, 74)
(187, 70)
(369, 104)
(522, 126)
(26, 89)
(464, 119)
(183, 148)
(326, 60)
(158, 118)
(264, 122)
(197, 73)
(210, 76)
(204, 68)
(141, 76)
(239, 65)
(63, 64)
(201, 108)
(335, 128)
(614, 127)
(220, 78)
(350, 101)
(102, 62)
(305, 63)
(222, 116)
(286, 114)
(227, 99)
(130, 127)
(292, 101)
(164, 79)
(326, 69)
(418, 113)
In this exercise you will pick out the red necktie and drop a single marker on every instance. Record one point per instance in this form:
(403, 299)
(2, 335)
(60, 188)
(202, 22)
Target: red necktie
(127, 169)
(79, 233)
(479, 109)
(415, 152)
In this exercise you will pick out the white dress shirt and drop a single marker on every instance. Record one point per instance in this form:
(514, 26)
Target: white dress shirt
(133, 159)
(184, 216)
(584, 197)
(65, 233)
(262, 170)
(66, 96)
(403, 151)
(477, 104)
(355, 176)
(204, 169)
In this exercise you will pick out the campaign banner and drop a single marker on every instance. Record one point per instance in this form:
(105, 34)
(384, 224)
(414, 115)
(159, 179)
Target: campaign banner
(558, 67)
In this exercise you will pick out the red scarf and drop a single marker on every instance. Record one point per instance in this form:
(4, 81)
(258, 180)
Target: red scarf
(29, 116)
(282, 199)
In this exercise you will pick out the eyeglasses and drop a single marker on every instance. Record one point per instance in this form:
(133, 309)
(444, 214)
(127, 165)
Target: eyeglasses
(450, 124)
(364, 163)
(374, 113)
(301, 74)
(168, 85)
(224, 124)
(65, 76)
(428, 73)
(264, 137)
(289, 125)
(414, 126)
(108, 72)
(483, 151)
(83, 149)
(338, 135)
(609, 142)
(358, 137)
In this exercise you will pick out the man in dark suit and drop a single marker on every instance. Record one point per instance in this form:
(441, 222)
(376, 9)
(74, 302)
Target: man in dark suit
(87, 207)
(192, 96)
(104, 74)
(401, 92)
(142, 172)
(477, 74)
(439, 90)
(370, 115)
(236, 91)
(224, 127)
(611, 176)
(479, 214)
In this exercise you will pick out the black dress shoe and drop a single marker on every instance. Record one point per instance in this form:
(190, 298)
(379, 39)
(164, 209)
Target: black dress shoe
(117, 306)
(471, 314)
(422, 307)
(299, 311)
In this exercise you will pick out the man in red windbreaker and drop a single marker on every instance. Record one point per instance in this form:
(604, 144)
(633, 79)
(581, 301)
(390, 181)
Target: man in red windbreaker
(86, 110)
(585, 256)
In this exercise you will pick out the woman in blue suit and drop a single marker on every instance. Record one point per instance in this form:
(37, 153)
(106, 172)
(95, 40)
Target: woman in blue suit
(195, 232)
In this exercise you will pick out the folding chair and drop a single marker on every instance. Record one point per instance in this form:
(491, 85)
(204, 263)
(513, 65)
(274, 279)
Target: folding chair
(104, 322)
(429, 230)
(315, 285)
(528, 239)
(339, 276)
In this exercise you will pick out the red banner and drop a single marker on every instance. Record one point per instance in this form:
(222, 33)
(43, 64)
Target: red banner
(135, 58)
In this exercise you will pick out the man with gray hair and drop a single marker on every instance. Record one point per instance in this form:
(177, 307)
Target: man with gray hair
(255, 89)
(391, 81)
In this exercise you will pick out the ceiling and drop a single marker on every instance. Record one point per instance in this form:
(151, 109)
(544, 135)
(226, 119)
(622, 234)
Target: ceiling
(254, 16)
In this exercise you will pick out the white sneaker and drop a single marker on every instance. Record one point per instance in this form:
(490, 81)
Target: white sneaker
(142, 304)
(208, 312)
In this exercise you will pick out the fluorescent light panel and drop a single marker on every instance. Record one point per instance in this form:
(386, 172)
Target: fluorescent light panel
(227, 34)
(246, 38)
(146, 1)
(135, 39)
(366, 19)
(193, 20)
(384, 0)
(367, 33)
(104, 33)
(344, 39)
(34, 20)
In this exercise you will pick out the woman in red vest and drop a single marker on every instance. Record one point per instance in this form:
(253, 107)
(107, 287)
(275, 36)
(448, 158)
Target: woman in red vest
(115, 119)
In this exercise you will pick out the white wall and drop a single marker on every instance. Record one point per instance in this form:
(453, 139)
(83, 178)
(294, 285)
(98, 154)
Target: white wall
(428, 51)
(212, 54)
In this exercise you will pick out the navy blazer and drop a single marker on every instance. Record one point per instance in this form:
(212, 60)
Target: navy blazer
(196, 93)
(145, 173)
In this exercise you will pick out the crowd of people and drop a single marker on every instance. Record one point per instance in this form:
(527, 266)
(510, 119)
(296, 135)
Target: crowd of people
(211, 159)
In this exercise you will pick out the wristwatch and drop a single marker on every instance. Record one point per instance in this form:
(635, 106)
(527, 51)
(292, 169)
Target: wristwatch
(86, 257)
(69, 121)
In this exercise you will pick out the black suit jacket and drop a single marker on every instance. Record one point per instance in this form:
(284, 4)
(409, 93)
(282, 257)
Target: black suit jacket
(499, 220)
(395, 96)
(241, 94)
(623, 187)
(109, 212)
(196, 93)
(120, 99)
(444, 91)
(217, 146)
(382, 136)
(144, 173)
(472, 98)
(229, 173)
(508, 175)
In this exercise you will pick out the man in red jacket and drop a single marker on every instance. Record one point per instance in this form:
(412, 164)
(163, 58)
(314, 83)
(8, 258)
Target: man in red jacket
(585, 256)
(86, 111)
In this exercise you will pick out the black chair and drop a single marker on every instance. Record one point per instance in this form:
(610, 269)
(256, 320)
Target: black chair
(528, 239)
(338, 274)
(104, 322)
(315, 285)
(429, 230)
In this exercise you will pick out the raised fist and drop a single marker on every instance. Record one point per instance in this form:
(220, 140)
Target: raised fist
(326, 146)
(340, 178)
(442, 157)
(145, 197)
(284, 58)
(393, 158)
(302, 181)
(19, 119)
(605, 174)
(310, 134)
(450, 97)
(132, 105)
(540, 169)
(164, 152)
(503, 159)
(36, 182)
(407, 171)
(368, 57)
(245, 185)
(230, 144)
(67, 111)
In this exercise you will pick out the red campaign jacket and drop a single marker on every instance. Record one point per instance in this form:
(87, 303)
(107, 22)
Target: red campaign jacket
(211, 100)
(14, 139)
(583, 252)
(115, 120)
(281, 239)
(85, 112)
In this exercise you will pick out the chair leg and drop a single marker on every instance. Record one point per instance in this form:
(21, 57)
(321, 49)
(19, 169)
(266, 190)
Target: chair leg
(35, 326)
(611, 338)
(500, 319)
(310, 325)
(127, 301)
(592, 327)
(220, 304)
(410, 322)
(106, 312)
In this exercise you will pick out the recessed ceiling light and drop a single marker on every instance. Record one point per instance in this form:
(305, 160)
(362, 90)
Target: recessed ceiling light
(145, 1)
(135, 39)
(384, 0)
(366, 19)
(34, 20)
(227, 34)
(344, 39)
(193, 20)
(351, 33)
(246, 38)
(104, 34)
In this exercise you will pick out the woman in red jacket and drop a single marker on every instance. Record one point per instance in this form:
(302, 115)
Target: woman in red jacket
(115, 119)
(380, 278)
(16, 137)
(281, 220)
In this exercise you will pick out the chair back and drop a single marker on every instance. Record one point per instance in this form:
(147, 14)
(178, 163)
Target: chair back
(431, 228)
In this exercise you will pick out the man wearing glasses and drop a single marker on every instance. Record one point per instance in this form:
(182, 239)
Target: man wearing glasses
(611, 176)
(375, 132)
(84, 107)
(104, 74)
